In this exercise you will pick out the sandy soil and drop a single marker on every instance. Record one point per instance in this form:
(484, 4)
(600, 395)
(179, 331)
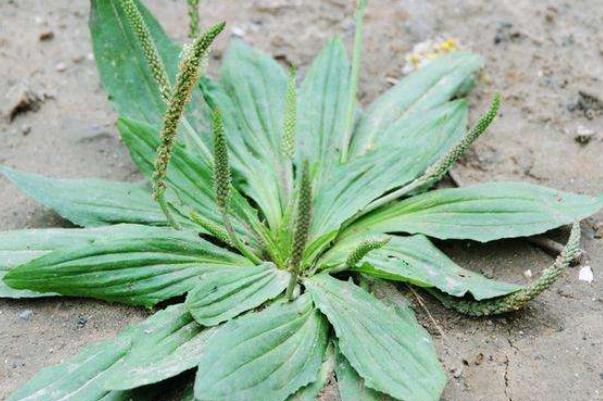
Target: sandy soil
(544, 57)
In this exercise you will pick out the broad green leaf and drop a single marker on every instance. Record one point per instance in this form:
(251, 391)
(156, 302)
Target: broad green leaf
(188, 176)
(322, 109)
(266, 356)
(87, 376)
(81, 378)
(392, 354)
(251, 97)
(426, 88)
(425, 130)
(164, 345)
(138, 270)
(91, 202)
(365, 178)
(417, 261)
(482, 212)
(21, 246)
(255, 171)
(312, 390)
(227, 293)
(256, 84)
(351, 386)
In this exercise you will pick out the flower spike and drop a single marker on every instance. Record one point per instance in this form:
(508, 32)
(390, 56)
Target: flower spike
(288, 144)
(187, 78)
(364, 248)
(222, 183)
(518, 299)
(222, 179)
(302, 226)
(151, 54)
(193, 15)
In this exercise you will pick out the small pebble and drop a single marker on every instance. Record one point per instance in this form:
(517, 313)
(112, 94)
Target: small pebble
(238, 31)
(527, 273)
(46, 36)
(586, 274)
(25, 129)
(583, 135)
(26, 314)
(81, 322)
(61, 67)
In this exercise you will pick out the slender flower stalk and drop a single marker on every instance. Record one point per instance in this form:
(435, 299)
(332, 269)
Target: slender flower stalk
(302, 227)
(187, 78)
(151, 54)
(193, 15)
(223, 182)
(439, 168)
(354, 74)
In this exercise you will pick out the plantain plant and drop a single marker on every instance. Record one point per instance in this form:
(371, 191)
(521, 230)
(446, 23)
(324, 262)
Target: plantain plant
(269, 213)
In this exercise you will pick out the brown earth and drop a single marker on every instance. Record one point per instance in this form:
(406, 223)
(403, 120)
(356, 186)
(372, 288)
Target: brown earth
(543, 56)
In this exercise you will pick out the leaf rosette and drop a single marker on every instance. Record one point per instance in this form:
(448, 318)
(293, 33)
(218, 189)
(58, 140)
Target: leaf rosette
(273, 209)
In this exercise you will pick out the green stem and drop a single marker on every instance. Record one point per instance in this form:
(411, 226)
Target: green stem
(166, 211)
(192, 139)
(354, 73)
(236, 242)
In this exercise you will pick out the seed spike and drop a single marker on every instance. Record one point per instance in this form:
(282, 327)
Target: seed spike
(222, 178)
(364, 248)
(211, 227)
(354, 74)
(222, 183)
(151, 54)
(288, 143)
(436, 171)
(193, 15)
(187, 78)
(439, 168)
(302, 227)
(519, 299)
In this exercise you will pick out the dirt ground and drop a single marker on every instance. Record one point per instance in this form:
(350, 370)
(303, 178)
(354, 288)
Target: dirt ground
(546, 58)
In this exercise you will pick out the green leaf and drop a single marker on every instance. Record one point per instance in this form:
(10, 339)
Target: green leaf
(90, 202)
(482, 212)
(365, 178)
(188, 176)
(312, 390)
(266, 355)
(227, 293)
(251, 97)
(167, 342)
(165, 345)
(123, 69)
(417, 261)
(21, 246)
(81, 378)
(351, 386)
(322, 109)
(436, 129)
(138, 270)
(428, 87)
(392, 354)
